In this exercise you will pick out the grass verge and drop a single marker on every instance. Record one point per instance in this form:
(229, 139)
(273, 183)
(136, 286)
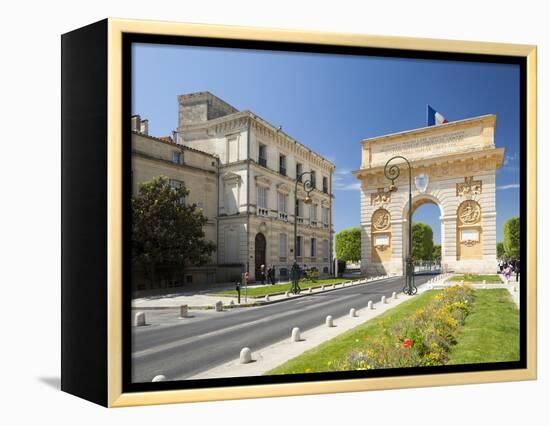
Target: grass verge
(280, 288)
(320, 358)
(490, 334)
(491, 331)
(474, 278)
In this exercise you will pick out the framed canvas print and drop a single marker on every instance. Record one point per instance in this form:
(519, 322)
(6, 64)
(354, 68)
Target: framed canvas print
(253, 212)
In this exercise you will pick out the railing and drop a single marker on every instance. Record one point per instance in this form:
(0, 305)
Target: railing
(282, 171)
(283, 216)
(262, 162)
(263, 212)
(300, 220)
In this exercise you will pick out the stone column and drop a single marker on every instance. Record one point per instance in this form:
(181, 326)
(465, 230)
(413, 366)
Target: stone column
(448, 241)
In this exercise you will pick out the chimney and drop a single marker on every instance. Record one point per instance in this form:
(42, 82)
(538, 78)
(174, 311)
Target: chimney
(136, 123)
(144, 127)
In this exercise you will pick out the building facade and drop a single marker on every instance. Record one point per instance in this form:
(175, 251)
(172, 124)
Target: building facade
(259, 164)
(454, 167)
(242, 171)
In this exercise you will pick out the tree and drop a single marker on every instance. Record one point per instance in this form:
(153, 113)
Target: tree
(500, 251)
(165, 230)
(436, 253)
(348, 244)
(511, 238)
(422, 241)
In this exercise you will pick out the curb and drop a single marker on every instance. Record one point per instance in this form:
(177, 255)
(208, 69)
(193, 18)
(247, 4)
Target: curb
(261, 302)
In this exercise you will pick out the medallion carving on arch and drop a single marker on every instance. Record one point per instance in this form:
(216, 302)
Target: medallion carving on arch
(469, 212)
(468, 187)
(380, 197)
(381, 220)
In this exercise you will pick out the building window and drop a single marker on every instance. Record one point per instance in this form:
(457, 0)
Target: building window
(325, 184)
(283, 272)
(177, 157)
(300, 209)
(325, 270)
(262, 201)
(299, 241)
(313, 247)
(282, 164)
(177, 184)
(282, 247)
(299, 170)
(262, 155)
(313, 179)
(313, 214)
(283, 208)
(324, 212)
(325, 251)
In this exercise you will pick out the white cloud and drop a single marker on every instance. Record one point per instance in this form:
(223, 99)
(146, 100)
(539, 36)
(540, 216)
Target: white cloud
(348, 187)
(510, 158)
(510, 186)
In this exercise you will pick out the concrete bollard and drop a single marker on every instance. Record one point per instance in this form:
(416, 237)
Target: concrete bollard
(370, 305)
(333, 285)
(328, 321)
(245, 356)
(218, 306)
(322, 287)
(287, 294)
(310, 290)
(384, 301)
(267, 298)
(183, 311)
(394, 295)
(139, 319)
(231, 302)
(159, 378)
(352, 312)
(295, 335)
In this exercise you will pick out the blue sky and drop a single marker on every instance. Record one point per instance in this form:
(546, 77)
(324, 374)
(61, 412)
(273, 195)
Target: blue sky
(331, 102)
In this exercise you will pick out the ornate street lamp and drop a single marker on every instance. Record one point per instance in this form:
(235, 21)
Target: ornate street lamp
(392, 173)
(295, 271)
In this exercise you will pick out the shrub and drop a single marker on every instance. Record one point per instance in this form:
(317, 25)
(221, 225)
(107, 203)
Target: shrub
(422, 339)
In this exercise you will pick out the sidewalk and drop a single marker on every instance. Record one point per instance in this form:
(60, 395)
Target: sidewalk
(205, 301)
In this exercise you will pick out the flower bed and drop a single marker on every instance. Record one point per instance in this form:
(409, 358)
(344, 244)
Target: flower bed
(421, 339)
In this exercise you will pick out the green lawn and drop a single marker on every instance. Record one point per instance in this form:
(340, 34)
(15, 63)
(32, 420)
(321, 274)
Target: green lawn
(474, 278)
(320, 358)
(491, 331)
(280, 288)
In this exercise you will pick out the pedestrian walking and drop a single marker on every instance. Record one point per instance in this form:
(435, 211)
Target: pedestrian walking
(271, 275)
(507, 272)
(262, 273)
(517, 270)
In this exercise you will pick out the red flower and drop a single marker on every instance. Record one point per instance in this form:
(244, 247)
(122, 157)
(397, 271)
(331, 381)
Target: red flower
(407, 343)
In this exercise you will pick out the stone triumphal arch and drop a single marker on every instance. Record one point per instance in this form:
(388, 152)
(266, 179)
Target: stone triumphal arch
(453, 166)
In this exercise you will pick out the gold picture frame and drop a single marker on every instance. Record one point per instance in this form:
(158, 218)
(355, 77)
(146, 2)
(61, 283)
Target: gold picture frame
(115, 396)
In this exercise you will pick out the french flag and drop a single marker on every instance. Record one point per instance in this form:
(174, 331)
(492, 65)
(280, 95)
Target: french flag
(434, 118)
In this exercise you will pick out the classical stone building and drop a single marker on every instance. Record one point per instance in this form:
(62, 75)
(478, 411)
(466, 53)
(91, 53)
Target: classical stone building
(259, 164)
(241, 170)
(453, 166)
(183, 166)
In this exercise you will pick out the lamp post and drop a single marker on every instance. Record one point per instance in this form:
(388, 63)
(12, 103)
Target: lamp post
(295, 271)
(392, 173)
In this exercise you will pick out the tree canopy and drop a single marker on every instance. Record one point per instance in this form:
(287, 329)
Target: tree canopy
(165, 230)
(348, 244)
(511, 238)
(422, 241)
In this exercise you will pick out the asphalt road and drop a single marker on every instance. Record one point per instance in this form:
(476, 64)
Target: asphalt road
(179, 349)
